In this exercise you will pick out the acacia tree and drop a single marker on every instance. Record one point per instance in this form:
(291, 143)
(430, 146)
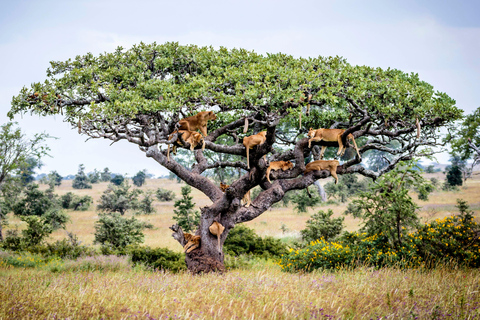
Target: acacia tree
(140, 94)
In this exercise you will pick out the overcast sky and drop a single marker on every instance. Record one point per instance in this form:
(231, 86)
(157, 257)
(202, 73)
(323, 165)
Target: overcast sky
(439, 40)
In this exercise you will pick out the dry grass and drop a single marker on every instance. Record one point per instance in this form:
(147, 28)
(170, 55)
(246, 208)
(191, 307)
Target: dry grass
(440, 204)
(268, 294)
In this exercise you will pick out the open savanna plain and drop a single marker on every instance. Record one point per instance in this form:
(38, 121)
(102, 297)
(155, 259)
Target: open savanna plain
(258, 291)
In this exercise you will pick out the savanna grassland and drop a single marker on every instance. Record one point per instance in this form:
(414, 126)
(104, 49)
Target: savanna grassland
(116, 290)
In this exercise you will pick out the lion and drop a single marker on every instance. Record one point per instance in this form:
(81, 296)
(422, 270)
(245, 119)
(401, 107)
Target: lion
(193, 242)
(192, 137)
(332, 135)
(224, 186)
(277, 165)
(254, 140)
(197, 122)
(330, 165)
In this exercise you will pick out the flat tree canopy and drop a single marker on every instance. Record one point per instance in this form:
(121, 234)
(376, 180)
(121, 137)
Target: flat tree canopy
(140, 95)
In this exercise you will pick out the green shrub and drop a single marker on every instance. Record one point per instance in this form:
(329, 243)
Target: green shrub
(118, 232)
(158, 258)
(145, 205)
(73, 202)
(165, 195)
(243, 240)
(63, 249)
(81, 180)
(117, 180)
(444, 241)
(12, 241)
(322, 226)
(34, 203)
(319, 254)
(37, 230)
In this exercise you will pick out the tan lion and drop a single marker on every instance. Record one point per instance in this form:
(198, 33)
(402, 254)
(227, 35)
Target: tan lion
(330, 165)
(193, 242)
(331, 135)
(192, 137)
(254, 140)
(278, 165)
(197, 122)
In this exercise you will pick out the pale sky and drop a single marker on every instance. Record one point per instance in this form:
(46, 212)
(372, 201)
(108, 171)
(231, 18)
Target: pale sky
(439, 40)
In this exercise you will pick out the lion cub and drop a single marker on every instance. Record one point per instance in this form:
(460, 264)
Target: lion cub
(330, 165)
(192, 137)
(277, 165)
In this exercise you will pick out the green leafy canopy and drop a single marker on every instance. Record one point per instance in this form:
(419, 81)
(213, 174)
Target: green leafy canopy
(149, 78)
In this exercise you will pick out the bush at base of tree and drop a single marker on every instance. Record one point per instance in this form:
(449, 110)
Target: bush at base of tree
(243, 240)
(165, 195)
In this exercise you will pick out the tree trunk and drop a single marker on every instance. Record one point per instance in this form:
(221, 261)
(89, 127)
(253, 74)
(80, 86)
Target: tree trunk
(208, 257)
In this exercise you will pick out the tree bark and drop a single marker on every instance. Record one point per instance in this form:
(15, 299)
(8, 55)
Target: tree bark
(208, 257)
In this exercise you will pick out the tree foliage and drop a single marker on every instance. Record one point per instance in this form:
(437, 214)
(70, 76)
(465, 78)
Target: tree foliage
(117, 232)
(305, 199)
(348, 186)
(55, 178)
(105, 175)
(118, 199)
(139, 178)
(183, 214)
(164, 194)
(74, 202)
(386, 208)
(466, 140)
(117, 179)
(34, 202)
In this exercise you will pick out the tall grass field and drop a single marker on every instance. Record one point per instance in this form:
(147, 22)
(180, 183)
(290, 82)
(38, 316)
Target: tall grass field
(110, 287)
